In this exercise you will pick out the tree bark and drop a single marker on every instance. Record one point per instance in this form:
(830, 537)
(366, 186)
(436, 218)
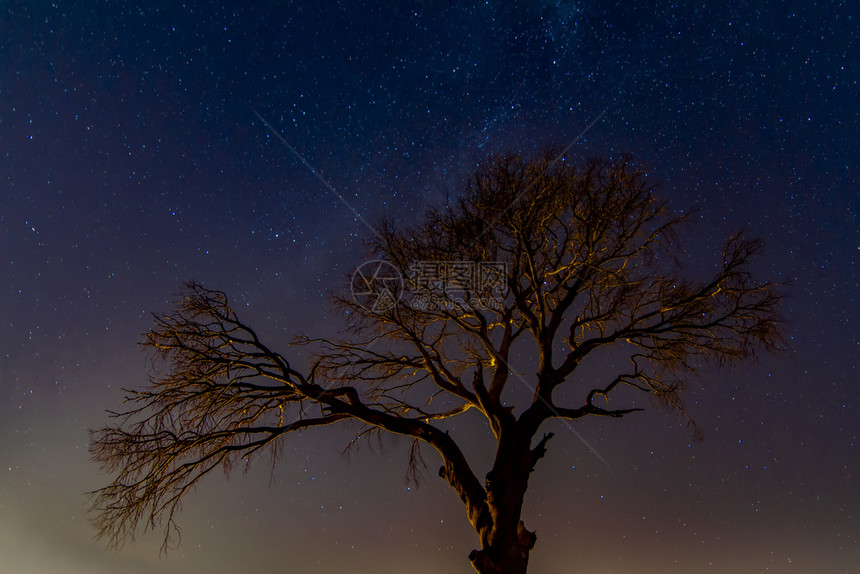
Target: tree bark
(508, 554)
(505, 541)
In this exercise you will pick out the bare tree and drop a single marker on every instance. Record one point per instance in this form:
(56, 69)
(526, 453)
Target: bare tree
(571, 260)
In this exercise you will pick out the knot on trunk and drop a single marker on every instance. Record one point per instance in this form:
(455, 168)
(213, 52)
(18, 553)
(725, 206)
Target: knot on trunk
(507, 556)
(481, 562)
(526, 537)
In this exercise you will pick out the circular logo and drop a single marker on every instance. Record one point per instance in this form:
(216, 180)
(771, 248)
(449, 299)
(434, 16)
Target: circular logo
(376, 286)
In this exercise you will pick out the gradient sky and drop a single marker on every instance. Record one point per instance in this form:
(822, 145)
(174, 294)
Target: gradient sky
(131, 160)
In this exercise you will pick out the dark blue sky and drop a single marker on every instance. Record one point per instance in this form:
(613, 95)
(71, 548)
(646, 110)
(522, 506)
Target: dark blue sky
(131, 160)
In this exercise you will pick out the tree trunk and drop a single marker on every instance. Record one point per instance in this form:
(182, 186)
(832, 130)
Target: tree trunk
(505, 541)
(507, 555)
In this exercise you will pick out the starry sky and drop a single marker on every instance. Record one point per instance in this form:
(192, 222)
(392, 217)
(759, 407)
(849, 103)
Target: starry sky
(133, 158)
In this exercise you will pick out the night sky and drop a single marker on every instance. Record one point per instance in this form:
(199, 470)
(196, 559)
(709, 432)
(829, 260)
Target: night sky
(132, 159)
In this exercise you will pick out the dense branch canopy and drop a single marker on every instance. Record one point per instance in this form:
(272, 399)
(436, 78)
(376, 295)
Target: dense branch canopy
(573, 260)
(585, 259)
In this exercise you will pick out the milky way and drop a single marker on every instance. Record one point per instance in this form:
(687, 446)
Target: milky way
(133, 158)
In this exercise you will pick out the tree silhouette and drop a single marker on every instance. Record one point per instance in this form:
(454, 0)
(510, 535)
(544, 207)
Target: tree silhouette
(537, 253)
